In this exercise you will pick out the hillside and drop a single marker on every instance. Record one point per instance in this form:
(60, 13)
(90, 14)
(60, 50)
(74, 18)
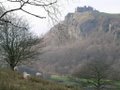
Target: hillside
(80, 24)
(10, 80)
(86, 34)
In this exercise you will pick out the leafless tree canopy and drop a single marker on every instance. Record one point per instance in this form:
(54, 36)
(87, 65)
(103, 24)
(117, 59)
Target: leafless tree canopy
(49, 7)
(17, 44)
(98, 70)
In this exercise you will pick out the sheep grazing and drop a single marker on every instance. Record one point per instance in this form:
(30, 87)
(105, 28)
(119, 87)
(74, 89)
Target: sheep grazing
(38, 74)
(26, 75)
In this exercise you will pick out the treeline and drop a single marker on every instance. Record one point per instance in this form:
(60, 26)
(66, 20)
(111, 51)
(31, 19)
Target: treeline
(99, 45)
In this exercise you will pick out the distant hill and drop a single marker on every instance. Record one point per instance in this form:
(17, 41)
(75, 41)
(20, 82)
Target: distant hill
(80, 23)
(83, 35)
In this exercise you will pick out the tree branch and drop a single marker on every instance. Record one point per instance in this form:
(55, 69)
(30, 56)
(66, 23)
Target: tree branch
(7, 21)
(32, 14)
(43, 4)
(34, 3)
(8, 12)
(48, 7)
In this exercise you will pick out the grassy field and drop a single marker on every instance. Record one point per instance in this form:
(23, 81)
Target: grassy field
(83, 83)
(10, 80)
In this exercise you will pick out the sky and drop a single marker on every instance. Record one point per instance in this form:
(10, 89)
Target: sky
(41, 26)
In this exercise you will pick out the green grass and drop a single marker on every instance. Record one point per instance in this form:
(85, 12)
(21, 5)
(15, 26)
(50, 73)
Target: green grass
(81, 82)
(59, 78)
(66, 80)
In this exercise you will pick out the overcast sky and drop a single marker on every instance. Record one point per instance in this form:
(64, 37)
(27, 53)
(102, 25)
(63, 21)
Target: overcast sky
(39, 26)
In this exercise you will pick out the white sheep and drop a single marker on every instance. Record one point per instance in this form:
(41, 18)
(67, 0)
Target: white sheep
(15, 68)
(38, 74)
(26, 75)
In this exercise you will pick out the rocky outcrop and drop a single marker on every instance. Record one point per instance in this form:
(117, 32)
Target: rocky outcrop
(80, 24)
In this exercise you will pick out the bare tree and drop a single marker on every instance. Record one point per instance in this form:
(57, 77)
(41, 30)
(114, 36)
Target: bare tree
(17, 44)
(97, 70)
(49, 7)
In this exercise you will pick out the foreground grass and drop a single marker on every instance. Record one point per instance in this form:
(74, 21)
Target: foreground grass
(10, 80)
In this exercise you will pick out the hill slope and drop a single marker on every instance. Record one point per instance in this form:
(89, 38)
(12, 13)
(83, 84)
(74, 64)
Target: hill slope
(85, 34)
(10, 80)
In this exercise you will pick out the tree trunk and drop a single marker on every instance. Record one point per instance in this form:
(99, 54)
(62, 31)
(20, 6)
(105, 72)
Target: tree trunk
(12, 67)
(98, 84)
